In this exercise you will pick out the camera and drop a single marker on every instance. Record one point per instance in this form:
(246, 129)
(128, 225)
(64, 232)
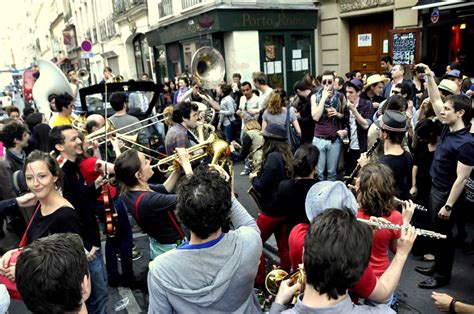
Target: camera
(420, 69)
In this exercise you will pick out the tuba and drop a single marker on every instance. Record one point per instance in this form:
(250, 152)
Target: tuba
(83, 75)
(208, 67)
(51, 81)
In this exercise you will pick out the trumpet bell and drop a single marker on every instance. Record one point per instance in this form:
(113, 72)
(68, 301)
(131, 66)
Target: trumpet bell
(117, 79)
(274, 279)
(51, 81)
(79, 123)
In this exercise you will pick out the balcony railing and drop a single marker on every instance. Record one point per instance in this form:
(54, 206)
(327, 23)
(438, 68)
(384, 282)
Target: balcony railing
(165, 8)
(111, 31)
(102, 30)
(189, 3)
(121, 6)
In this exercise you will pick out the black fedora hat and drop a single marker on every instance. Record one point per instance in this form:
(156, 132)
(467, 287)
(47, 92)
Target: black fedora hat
(392, 120)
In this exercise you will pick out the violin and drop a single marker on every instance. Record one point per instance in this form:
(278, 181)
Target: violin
(109, 207)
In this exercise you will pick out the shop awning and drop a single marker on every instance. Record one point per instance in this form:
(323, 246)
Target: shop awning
(62, 60)
(426, 4)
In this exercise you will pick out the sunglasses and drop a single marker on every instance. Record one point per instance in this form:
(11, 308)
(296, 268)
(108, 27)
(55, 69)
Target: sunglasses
(395, 92)
(329, 82)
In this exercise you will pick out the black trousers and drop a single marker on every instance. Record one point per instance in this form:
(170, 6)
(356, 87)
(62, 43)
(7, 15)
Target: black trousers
(444, 249)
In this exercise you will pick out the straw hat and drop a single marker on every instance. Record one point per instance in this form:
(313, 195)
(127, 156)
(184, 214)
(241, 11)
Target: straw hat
(376, 78)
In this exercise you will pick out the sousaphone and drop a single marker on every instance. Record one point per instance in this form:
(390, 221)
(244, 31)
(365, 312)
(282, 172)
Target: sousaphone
(51, 81)
(208, 67)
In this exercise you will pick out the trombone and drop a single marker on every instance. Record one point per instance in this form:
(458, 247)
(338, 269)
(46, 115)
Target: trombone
(110, 127)
(218, 149)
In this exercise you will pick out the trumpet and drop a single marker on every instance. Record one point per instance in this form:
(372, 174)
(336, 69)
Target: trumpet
(79, 123)
(117, 79)
(218, 149)
(386, 225)
(277, 276)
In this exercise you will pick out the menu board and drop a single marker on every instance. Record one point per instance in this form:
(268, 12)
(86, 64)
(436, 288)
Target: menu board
(405, 46)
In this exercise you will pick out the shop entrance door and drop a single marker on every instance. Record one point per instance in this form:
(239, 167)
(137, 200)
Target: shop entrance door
(286, 57)
(369, 42)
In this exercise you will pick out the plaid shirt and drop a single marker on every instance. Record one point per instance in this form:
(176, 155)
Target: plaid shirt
(178, 136)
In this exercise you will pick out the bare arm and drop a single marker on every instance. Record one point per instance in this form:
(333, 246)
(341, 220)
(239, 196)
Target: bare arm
(387, 283)
(317, 109)
(463, 172)
(433, 92)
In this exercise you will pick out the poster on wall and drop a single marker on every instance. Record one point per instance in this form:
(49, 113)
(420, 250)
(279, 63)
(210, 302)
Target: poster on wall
(364, 40)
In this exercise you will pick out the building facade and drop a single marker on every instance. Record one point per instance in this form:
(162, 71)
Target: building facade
(276, 37)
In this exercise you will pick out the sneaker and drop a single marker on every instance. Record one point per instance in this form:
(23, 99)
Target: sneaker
(245, 172)
(136, 255)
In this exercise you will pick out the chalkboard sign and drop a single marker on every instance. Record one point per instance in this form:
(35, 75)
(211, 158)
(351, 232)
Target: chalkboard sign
(405, 46)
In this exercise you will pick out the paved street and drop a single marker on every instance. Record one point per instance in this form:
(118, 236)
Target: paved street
(412, 299)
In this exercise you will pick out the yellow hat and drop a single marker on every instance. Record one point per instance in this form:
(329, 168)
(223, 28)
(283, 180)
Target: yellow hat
(376, 78)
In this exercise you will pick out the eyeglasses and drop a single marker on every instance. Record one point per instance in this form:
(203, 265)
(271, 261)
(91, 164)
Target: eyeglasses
(328, 82)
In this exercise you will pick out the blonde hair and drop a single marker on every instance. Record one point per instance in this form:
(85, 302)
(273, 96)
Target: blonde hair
(275, 105)
(252, 125)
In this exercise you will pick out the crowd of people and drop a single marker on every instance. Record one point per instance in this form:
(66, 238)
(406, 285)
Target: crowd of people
(340, 153)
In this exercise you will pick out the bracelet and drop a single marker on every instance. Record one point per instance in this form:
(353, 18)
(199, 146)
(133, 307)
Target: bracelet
(451, 306)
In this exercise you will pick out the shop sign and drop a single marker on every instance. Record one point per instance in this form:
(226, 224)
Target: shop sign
(435, 16)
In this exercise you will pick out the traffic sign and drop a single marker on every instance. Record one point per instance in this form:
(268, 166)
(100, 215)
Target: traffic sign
(86, 55)
(86, 45)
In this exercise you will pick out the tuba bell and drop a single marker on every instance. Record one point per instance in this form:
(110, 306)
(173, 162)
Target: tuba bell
(83, 75)
(208, 67)
(51, 81)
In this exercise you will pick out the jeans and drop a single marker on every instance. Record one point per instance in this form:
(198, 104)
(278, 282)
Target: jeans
(121, 243)
(228, 132)
(269, 225)
(328, 157)
(444, 248)
(97, 302)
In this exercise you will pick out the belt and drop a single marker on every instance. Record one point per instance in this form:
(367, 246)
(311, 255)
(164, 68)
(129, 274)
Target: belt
(328, 138)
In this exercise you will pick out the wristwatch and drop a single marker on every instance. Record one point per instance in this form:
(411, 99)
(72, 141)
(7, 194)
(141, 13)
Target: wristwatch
(448, 207)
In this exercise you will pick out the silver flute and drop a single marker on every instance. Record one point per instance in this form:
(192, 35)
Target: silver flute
(385, 225)
(417, 206)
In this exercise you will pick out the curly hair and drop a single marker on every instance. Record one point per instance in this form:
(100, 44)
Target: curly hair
(274, 145)
(12, 131)
(204, 202)
(377, 189)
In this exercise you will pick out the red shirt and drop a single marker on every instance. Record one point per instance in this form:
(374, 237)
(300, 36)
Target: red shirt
(363, 288)
(379, 259)
(90, 174)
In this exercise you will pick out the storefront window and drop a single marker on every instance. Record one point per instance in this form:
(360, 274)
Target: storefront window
(142, 55)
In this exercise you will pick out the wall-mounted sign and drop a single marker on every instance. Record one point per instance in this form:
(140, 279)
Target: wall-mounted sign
(435, 16)
(364, 40)
(86, 45)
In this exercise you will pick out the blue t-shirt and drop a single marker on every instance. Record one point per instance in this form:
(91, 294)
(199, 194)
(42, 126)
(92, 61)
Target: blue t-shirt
(452, 147)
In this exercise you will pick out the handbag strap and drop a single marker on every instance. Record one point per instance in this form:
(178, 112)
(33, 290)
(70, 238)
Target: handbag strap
(181, 233)
(24, 238)
(139, 198)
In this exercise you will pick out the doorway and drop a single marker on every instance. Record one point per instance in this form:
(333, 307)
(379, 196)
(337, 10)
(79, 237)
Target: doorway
(369, 41)
(286, 57)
